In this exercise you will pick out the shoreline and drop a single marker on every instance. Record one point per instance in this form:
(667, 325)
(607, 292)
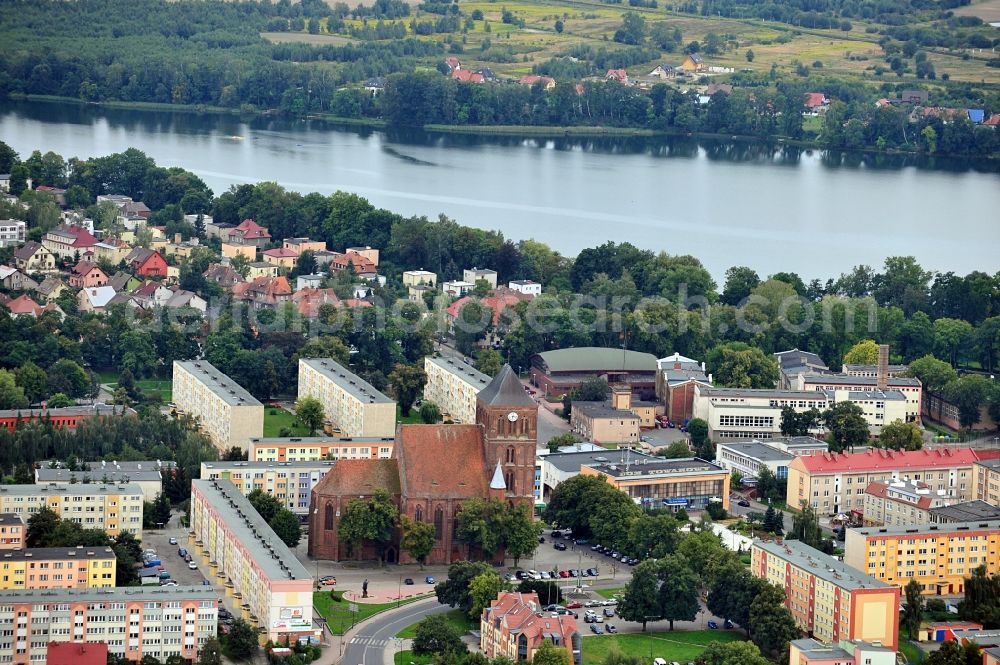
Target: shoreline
(530, 131)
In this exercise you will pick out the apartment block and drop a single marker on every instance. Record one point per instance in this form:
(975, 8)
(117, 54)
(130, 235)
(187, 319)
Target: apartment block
(350, 403)
(58, 568)
(290, 483)
(226, 412)
(314, 448)
(827, 598)
(836, 482)
(111, 508)
(938, 556)
(148, 476)
(11, 531)
(453, 386)
(987, 481)
(256, 568)
(12, 232)
(901, 502)
(132, 621)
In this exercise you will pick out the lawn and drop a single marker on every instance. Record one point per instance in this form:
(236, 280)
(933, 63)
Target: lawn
(339, 618)
(609, 593)
(407, 658)
(412, 419)
(277, 419)
(683, 646)
(163, 386)
(911, 651)
(456, 618)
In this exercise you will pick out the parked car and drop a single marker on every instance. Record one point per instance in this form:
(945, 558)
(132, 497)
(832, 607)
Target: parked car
(328, 580)
(168, 583)
(743, 503)
(557, 533)
(593, 572)
(611, 628)
(151, 563)
(564, 573)
(559, 546)
(173, 541)
(181, 551)
(609, 612)
(597, 630)
(408, 581)
(429, 579)
(589, 618)
(573, 605)
(164, 575)
(729, 625)
(713, 625)
(192, 565)
(582, 541)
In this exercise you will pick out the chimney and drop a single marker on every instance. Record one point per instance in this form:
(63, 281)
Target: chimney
(882, 376)
(677, 365)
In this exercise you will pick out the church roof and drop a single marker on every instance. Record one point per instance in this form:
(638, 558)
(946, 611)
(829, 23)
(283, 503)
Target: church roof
(441, 461)
(360, 477)
(505, 390)
(498, 483)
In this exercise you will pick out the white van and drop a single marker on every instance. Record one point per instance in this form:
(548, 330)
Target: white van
(659, 661)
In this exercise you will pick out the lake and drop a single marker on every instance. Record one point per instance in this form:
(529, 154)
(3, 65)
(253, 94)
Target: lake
(727, 202)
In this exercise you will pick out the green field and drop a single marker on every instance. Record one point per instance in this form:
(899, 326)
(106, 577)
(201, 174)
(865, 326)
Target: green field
(609, 593)
(681, 646)
(163, 386)
(340, 619)
(407, 658)
(911, 651)
(277, 419)
(413, 418)
(456, 618)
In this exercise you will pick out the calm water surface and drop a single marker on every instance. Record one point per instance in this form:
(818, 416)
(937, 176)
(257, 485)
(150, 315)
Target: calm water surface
(728, 203)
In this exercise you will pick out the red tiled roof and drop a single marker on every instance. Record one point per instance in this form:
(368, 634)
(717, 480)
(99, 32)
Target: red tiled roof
(465, 76)
(357, 477)
(24, 305)
(881, 490)
(885, 460)
(993, 120)
(281, 253)
(618, 74)
(519, 612)
(250, 229)
(84, 267)
(443, 461)
(500, 300)
(355, 302)
(310, 300)
(82, 235)
(532, 79)
(814, 99)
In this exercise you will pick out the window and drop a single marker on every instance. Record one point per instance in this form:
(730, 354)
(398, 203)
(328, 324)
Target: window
(328, 517)
(418, 514)
(438, 524)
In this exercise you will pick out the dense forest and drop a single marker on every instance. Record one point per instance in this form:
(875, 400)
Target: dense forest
(212, 54)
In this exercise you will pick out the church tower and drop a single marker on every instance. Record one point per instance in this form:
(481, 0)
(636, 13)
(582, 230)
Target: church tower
(510, 420)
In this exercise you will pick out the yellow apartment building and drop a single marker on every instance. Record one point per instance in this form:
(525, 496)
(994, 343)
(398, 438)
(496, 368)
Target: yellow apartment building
(986, 481)
(831, 600)
(938, 556)
(313, 448)
(111, 508)
(453, 386)
(350, 403)
(58, 568)
(226, 412)
(11, 532)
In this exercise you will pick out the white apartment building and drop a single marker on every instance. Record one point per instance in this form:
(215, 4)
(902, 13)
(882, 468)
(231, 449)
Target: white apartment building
(350, 403)
(525, 286)
(453, 386)
(744, 413)
(112, 508)
(12, 232)
(290, 483)
(313, 448)
(909, 387)
(227, 413)
(243, 552)
(457, 288)
(133, 621)
(902, 502)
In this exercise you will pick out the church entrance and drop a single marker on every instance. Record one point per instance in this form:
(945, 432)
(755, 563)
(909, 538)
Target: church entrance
(390, 555)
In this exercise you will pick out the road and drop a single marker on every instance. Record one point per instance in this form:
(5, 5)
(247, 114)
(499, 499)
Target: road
(375, 642)
(758, 507)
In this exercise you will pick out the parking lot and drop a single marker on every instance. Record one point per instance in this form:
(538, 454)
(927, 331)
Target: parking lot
(171, 561)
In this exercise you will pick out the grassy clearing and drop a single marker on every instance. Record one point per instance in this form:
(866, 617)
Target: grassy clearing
(412, 419)
(911, 651)
(609, 593)
(340, 619)
(277, 419)
(989, 10)
(407, 658)
(456, 618)
(306, 38)
(681, 646)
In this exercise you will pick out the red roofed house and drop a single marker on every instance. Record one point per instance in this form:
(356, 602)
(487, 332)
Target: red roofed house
(816, 102)
(309, 300)
(834, 482)
(281, 257)
(68, 241)
(499, 299)
(619, 75)
(86, 273)
(531, 79)
(465, 76)
(992, 121)
(362, 264)
(146, 263)
(453, 63)
(514, 626)
(77, 653)
(493, 458)
(249, 232)
(25, 306)
(264, 292)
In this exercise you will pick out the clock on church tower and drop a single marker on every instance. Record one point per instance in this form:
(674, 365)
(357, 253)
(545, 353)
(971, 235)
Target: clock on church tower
(510, 420)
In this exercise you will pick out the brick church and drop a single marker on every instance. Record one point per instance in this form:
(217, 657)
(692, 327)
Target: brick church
(434, 469)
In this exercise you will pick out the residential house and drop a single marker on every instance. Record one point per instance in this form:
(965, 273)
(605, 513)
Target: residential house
(51, 288)
(475, 274)
(186, 299)
(466, 76)
(366, 251)
(12, 279)
(282, 258)
(453, 63)
(547, 82)
(515, 627)
(663, 72)
(309, 300)
(487, 74)
(86, 274)
(498, 301)
(112, 250)
(619, 75)
(261, 269)
(264, 292)
(525, 286)
(4, 182)
(222, 275)
(724, 88)
(993, 121)
(34, 257)
(457, 288)
(25, 306)
(12, 232)
(94, 299)
(299, 245)
(151, 294)
(57, 193)
(692, 63)
(816, 103)
(309, 281)
(69, 241)
(123, 282)
(249, 232)
(146, 263)
(375, 84)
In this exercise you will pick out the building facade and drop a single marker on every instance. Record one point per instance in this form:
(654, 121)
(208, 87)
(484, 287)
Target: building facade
(11, 531)
(350, 403)
(987, 481)
(675, 483)
(749, 457)
(148, 476)
(68, 417)
(12, 232)
(291, 483)
(133, 621)
(453, 386)
(808, 651)
(911, 388)
(559, 371)
(676, 378)
(58, 568)
(744, 413)
(255, 566)
(967, 511)
(314, 448)
(111, 508)
(225, 411)
(828, 599)
(836, 482)
(514, 626)
(900, 502)
(473, 275)
(937, 556)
